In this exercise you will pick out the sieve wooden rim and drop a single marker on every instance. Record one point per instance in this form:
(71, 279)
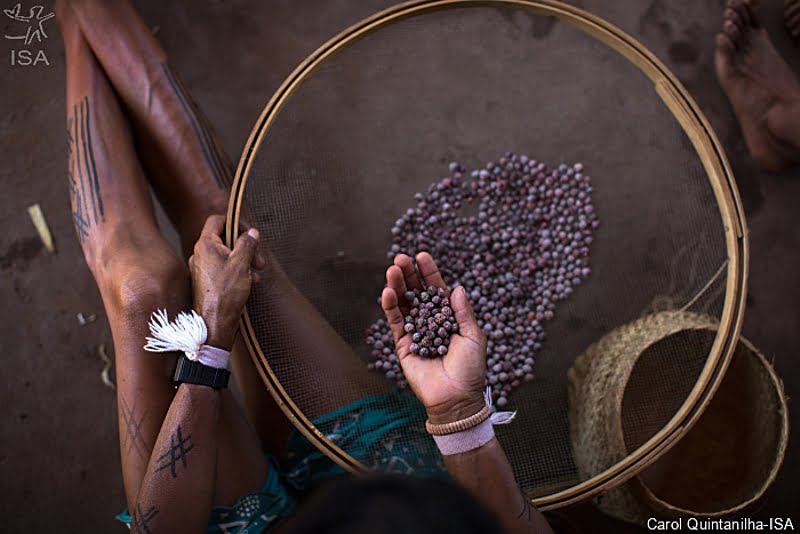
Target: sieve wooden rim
(694, 124)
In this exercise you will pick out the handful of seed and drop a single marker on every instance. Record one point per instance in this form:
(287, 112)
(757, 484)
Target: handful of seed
(430, 321)
(516, 235)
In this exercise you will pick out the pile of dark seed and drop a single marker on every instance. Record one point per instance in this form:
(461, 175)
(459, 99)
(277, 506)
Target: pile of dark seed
(524, 248)
(430, 322)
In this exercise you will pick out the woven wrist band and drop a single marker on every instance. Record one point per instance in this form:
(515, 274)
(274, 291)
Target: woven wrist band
(470, 433)
(460, 425)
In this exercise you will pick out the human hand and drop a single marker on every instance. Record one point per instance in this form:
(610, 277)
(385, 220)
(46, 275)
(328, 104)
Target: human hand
(451, 386)
(222, 279)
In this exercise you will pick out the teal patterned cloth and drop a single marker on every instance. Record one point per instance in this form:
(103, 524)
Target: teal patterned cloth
(251, 513)
(384, 432)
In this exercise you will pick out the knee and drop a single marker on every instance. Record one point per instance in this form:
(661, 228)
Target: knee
(137, 286)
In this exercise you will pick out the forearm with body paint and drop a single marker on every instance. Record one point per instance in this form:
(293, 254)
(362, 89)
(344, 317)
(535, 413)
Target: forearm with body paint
(177, 492)
(486, 473)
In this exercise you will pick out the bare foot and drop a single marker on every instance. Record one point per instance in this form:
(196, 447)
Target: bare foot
(764, 92)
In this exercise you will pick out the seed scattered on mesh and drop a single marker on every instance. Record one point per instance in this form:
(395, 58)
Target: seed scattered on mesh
(524, 249)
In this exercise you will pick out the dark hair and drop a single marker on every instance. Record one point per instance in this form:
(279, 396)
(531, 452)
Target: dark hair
(394, 505)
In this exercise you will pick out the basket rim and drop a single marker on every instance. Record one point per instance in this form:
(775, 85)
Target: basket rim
(694, 124)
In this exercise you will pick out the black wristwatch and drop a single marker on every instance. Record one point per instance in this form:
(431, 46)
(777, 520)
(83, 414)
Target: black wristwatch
(192, 372)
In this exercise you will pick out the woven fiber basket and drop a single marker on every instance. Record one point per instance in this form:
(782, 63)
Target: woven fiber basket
(720, 466)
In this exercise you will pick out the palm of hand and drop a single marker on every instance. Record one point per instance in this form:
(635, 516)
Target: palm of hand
(437, 381)
(450, 386)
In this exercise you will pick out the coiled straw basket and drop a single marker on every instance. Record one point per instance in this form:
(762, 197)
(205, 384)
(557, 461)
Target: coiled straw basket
(720, 466)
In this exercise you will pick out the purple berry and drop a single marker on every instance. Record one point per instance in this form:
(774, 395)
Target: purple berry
(525, 249)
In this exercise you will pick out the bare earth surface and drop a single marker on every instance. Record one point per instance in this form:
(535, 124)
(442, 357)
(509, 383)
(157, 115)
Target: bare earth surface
(59, 466)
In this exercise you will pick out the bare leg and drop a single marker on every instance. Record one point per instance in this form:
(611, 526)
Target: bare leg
(176, 146)
(136, 272)
(170, 128)
(764, 92)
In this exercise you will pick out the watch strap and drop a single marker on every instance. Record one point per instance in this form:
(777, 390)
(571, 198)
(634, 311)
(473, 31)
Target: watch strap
(192, 372)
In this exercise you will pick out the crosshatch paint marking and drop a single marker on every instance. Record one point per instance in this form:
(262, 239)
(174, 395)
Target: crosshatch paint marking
(178, 450)
(141, 520)
(133, 429)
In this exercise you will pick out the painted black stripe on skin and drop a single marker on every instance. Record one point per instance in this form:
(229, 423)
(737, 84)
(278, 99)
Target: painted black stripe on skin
(94, 167)
(84, 124)
(192, 121)
(73, 185)
(225, 168)
(205, 130)
(222, 158)
(80, 223)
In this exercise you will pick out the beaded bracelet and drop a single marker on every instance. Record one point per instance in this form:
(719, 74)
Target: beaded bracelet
(471, 432)
(496, 418)
(461, 425)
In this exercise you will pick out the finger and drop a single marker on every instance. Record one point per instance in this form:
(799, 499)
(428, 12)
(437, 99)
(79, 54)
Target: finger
(245, 248)
(467, 325)
(209, 245)
(409, 271)
(215, 225)
(429, 271)
(258, 261)
(395, 280)
(394, 316)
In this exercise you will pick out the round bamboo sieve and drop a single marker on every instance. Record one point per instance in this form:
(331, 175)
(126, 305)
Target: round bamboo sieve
(357, 119)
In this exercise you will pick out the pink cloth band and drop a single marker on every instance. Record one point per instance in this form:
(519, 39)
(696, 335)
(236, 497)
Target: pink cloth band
(211, 356)
(465, 441)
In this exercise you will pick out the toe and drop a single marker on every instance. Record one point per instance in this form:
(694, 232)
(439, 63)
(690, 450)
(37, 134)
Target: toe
(790, 7)
(724, 43)
(731, 30)
(743, 13)
(732, 15)
(791, 16)
(751, 12)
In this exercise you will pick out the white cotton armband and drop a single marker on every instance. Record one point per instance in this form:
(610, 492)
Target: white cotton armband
(473, 435)
(188, 334)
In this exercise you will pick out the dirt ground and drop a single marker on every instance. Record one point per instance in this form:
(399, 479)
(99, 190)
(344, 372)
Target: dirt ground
(59, 463)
